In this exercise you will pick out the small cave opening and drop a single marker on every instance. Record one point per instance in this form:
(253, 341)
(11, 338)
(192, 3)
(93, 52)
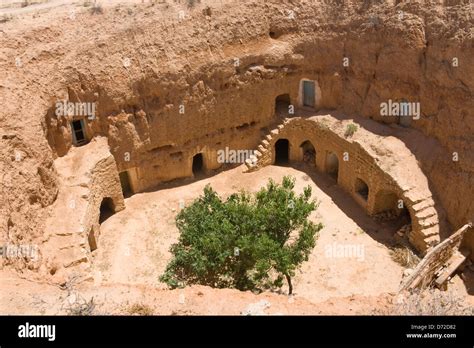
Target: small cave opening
(309, 152)
(332, 165)
(282, 105)
(362, 188)
(404, 215)
(198, 164)
(107, 209)
(282, 149)
(274, 33)
(389, 206)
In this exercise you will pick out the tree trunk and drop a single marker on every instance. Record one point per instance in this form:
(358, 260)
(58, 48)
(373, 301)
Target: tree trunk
(290, 286)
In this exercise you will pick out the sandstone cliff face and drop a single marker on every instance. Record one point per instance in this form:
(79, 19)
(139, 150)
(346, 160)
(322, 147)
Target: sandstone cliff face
(226, 65)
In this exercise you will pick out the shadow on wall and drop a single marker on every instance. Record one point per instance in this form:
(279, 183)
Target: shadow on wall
(199, 172)
(382, 232)
(422, 147)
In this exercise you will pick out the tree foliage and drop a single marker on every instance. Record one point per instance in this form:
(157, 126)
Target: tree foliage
(248, 242)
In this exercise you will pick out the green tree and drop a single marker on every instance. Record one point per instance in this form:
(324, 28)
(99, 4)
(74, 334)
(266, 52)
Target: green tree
(248, 242)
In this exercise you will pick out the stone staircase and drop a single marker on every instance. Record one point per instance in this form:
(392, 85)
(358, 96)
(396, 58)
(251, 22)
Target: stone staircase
(66, 241)
(425, 232)
(87, 175)
(425, 216)
(263, 155)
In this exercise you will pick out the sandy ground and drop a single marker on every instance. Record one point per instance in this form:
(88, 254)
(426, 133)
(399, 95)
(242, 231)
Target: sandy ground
(21, 296)
(133, 252)
(134, 243)
(40, 11)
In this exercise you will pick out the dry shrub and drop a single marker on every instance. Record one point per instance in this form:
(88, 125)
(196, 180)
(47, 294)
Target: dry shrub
(350, 130)
(81, 307)
(431, 302)
(404, 256)
(139, 309)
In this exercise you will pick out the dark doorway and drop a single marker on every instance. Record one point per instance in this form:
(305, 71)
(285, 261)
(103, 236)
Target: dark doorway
(107, 209)
(198, 164)
(309, 153)
(388, 203)
(125, 183)
(78, 132)
(332, 165)
(282, 105)
(282, 149)
(404, 214)
(362, 188)
(308, 93)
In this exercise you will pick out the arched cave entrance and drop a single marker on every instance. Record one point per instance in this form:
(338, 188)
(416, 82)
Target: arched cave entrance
(309, 152)
(107, 209)
(392, 207)
(332, 165)
(198, 164)
(362, 189)
(282, 150)
(282, 104)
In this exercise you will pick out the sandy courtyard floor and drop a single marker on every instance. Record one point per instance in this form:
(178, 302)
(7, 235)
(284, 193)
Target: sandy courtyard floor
(134, 244)
(133, 252)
